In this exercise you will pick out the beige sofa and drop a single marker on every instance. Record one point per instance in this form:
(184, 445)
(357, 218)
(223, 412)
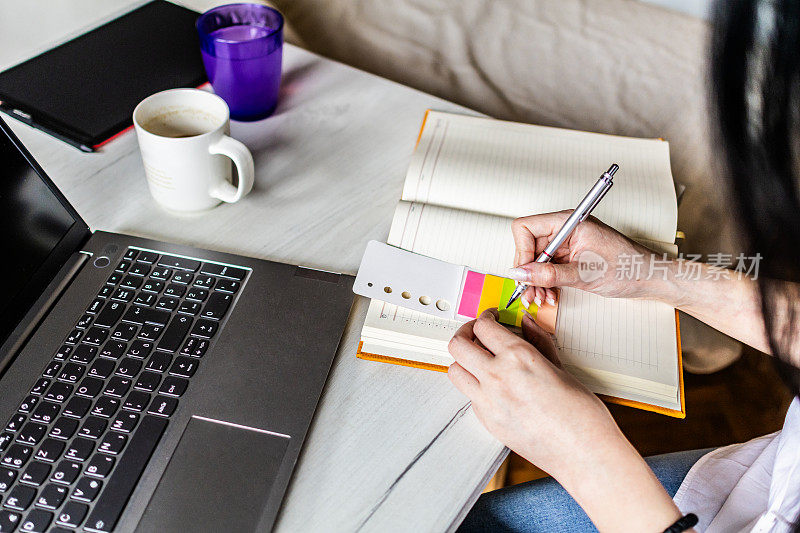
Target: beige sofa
(615, 66)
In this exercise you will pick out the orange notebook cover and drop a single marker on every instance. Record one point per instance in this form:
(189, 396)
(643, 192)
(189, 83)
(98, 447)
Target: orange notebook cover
(611, 399)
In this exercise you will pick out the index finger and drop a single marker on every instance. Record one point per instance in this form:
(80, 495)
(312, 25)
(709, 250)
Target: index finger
(529, 230)
(466, 352)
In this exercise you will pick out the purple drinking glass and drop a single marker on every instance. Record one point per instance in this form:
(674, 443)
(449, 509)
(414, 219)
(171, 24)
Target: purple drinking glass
(242, 48)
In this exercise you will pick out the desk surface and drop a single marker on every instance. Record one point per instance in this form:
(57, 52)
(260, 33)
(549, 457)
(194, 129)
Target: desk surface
(391, 447)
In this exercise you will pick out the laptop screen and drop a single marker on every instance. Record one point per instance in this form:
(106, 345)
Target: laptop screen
(36, 220)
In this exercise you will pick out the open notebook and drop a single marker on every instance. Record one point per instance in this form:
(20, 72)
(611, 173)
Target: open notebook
(469, 177)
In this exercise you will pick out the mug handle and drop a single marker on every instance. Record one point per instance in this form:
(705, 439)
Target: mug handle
(245, 169)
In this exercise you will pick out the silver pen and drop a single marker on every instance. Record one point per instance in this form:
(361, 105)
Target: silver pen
(580, 214)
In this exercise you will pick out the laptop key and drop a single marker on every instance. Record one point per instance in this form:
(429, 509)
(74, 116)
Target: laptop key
(80, 449)
(66, 472)
(173, 386)
(129, 367)
(8, 521)
(175, 289)
(189, 308)
(136, 401)
(71, 372)
(72, 514)
(28, 404)
(167, 303)
(182, 277)
(37, 521)
(112, 500)
(196, 293)
(85, 321)
(140, 349)
(16, 456)
(145, 298)
(89, 387)
(147, 257)
(217, 305)
(46, 412)
(95, 335)
(131, 282)
(52, 496)
(124, 294)
(159, 362)
(5, 441)
(96, 305)
(86, 490)
(64, 428)
(58, 392)
(15, 422)
(205, 328)
(139, 269)
(35, 474)
(223, 270)
(161, 273)
(204, 282)
(175, 332)
(106, 406)
(20, 497)
(228, 285)
(130, 254)
(7, 477)
(125, 422)
(163, 406)
(125, 332)
(102, 368)
(183, 367)
(180, 263)
(63, 352)
(105, 292)
(113, 349)
(77, 407)
(147, 381)
(40, 386)
(93, 427)
(74, 337)
(50, 450)
(140, 315)
(84, 354)
(110, 314)
(112, 443)
(153, 285)
(195, 347)
(117, 387)
(100, 465)
(31, 433)
(150, 332)
(123, 266)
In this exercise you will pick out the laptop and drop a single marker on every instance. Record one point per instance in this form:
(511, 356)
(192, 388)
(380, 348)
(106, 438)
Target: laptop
(147, 386)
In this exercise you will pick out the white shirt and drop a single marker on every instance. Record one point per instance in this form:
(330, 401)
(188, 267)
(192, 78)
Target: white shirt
(753, 486)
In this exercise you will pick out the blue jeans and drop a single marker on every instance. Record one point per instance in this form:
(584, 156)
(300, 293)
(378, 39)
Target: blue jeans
(544, 505)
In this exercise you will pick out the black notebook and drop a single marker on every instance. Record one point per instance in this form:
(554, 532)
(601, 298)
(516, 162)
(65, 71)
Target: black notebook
(84, 91)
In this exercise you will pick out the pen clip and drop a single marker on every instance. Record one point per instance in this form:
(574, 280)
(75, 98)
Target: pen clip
(588, 212)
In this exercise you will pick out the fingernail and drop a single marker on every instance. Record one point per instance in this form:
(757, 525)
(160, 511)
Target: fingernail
(525, 302)
(519, 274)
(551, 301)
(537, 301)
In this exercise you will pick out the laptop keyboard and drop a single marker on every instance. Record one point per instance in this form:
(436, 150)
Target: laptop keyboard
(75, 449)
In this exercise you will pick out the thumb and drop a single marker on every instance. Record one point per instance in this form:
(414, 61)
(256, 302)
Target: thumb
(546, 274)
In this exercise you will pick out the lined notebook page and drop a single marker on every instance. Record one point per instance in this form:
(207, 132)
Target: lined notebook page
(513, 170)
(632, 337)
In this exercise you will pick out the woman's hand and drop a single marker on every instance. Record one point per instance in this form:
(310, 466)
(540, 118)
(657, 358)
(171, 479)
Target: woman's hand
(524, 398)
(590, 259)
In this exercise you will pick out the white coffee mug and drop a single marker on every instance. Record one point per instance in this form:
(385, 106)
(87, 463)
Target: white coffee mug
(183, 137)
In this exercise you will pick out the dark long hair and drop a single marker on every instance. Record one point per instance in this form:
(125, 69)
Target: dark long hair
(755, 85)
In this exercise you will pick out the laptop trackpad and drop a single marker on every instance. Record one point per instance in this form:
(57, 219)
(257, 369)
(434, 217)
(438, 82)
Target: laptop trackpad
(218, 479)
